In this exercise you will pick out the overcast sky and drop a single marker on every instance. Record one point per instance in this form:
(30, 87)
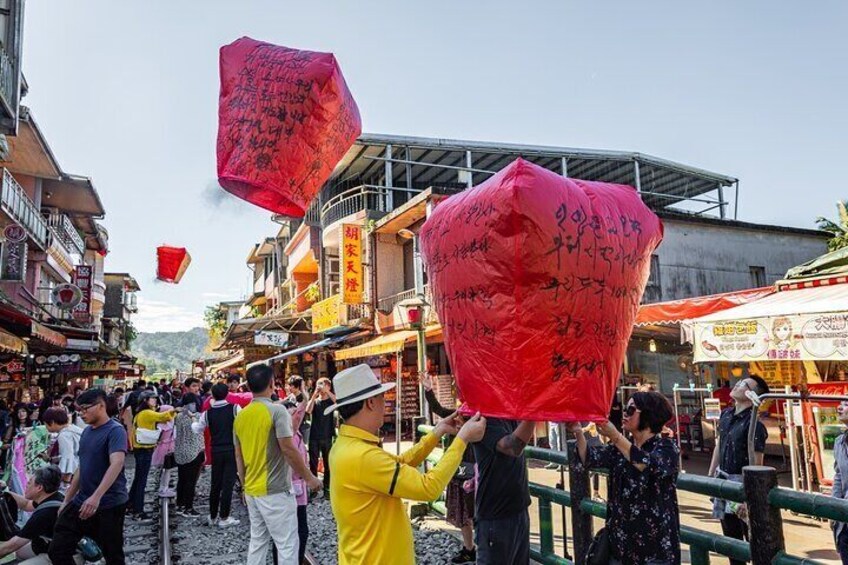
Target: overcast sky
(127, 94)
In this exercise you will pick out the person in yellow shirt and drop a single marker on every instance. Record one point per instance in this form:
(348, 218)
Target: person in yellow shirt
(368, 484)
(146, 418)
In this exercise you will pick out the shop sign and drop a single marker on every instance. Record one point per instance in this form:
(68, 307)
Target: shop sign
(14, 254)
(351, 264)
(83, 276)
(777, 373)
(11, 344)
(813, 337)
(276, 339)
(13, 366)
(56, 364)
(66, 296)
(101, 365)
(326, 314)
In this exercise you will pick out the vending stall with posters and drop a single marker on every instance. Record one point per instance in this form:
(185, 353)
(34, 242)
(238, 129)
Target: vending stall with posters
(797, 340)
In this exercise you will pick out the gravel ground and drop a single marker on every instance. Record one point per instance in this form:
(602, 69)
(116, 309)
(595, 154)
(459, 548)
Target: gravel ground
(195, 542)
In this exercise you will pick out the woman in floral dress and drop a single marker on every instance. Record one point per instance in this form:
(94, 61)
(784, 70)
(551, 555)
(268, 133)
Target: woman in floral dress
(643, 521)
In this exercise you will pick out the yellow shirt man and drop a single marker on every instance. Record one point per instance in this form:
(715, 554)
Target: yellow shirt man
(367, 488)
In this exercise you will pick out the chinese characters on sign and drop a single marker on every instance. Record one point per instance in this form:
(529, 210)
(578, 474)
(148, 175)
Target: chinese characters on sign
(782, 338)
(276, 339)
(14, 254)
(83, 279)
(351, 263)
(325, 315)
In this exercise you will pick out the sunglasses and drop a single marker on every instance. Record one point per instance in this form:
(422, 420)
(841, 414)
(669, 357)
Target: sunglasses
(630, 410)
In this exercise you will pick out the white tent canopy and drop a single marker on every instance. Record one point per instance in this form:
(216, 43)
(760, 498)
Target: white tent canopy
(807, 323)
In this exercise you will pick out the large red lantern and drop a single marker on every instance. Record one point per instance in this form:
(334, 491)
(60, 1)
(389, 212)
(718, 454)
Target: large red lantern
(537, 279)
(172, 263)
(285, 118)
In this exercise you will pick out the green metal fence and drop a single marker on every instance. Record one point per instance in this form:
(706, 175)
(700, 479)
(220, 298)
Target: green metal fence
(759, 490)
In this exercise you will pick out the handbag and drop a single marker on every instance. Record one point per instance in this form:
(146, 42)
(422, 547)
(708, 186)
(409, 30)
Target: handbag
(599, 550)
(143, 436)
(465, 471)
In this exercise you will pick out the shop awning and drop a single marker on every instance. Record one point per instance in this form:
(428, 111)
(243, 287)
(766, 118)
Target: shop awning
(676, 311)
(802, 324)
(386, 343)
(226, 364)
(12, 344)
(47, 335)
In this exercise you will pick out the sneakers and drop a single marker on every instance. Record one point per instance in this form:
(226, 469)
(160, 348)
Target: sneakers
(227, 522)
(210, 521)
(465, 556)
(191, 513)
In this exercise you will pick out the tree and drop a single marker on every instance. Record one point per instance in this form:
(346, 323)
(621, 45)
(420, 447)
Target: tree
(837, 230)
(216, 321)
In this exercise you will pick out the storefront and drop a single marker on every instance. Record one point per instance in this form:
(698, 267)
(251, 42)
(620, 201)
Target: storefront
(797, 340)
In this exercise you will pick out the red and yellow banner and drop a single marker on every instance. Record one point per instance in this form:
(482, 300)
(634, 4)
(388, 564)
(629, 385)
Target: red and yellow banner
(351, 264)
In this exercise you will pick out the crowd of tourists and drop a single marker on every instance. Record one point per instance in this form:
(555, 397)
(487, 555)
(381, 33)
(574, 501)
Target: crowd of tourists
(276, 446)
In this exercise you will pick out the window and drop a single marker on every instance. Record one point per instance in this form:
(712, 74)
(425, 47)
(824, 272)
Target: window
(653, 290)
(758, 276)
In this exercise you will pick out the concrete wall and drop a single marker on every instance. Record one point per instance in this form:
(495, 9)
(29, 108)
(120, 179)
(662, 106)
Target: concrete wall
(698, 258)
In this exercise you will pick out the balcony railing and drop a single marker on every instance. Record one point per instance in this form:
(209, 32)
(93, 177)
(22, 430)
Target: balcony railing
(360, 198)
(8, 77)
(355, 313)
(65, 231)
(388, 303)
(20, 208)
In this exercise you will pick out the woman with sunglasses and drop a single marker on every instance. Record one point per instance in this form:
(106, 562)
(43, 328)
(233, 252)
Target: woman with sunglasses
(643, 520)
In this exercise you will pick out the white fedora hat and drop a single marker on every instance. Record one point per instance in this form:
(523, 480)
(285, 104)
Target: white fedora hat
(355, 384)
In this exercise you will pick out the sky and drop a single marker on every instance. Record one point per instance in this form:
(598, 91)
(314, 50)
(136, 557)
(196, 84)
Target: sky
(127, 92)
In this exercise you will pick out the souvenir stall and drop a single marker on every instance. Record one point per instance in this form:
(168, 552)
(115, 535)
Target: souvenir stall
(797, 340)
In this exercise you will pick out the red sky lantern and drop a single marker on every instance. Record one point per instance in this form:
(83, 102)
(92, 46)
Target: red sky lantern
(172, 263)
(285, 118)
(537, 279)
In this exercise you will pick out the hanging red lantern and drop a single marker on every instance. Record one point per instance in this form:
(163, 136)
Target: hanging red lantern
(285, 118)
(172, 263)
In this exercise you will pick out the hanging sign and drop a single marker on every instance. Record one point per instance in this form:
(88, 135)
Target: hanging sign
(810, 337)
(712, 409)
(351, 263)
(14, 254)
(276, 339)
(56, 364)
(83, 278)
(325, 314)
(66, 296)
(101, 365)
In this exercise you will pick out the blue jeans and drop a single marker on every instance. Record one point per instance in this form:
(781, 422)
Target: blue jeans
(842, 545)
(143, 457)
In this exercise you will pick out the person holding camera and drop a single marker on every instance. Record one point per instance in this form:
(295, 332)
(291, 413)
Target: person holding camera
(323, 429)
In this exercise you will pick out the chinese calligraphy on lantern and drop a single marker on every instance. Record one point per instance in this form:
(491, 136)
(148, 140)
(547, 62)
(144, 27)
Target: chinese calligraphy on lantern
(350, 257)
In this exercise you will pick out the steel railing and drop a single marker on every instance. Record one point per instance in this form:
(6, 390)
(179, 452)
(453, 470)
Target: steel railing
(65, 231)
(759, 490)
(360, 198)
(19, 207)
(8, 74)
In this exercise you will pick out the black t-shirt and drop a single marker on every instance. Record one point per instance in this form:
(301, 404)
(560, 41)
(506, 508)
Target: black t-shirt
(322, 426)
(733, 440)
(41, 523)
(502, 490)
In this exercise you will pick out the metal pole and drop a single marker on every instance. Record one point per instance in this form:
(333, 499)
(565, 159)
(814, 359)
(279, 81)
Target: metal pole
(722, 204)
(398, 387)
(470, 181)
(420, 341)
(563, 446)
(578, 479)
(389, 179)
(677, 421)
(766, 523)
(637, 176)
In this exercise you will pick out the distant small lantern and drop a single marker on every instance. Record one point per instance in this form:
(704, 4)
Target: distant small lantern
(413, 310)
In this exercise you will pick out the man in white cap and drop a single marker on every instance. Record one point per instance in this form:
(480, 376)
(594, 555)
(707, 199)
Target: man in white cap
(368, 484)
